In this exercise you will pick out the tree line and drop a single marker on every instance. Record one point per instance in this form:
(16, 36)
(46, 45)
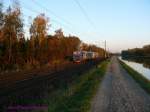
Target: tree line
(20, 52)
(137, 52)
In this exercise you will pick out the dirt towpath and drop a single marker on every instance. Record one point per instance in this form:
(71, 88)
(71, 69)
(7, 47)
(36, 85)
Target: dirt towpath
(118, 92)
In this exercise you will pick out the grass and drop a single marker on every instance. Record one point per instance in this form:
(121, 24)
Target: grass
(73, 97)
(139, 78)
(77, 97)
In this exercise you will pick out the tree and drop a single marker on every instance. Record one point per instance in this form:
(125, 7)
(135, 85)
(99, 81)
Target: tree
(1, 15)
(38, 32)
(39, 49)
(12, 29)
(137, 52)
(39, 28)
(59, 33)
(1, 20)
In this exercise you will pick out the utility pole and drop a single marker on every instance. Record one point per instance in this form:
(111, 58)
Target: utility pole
(108, 52)
(105, 50)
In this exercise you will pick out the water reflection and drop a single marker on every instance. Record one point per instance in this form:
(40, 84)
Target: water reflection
(138, 64)
(144, 62)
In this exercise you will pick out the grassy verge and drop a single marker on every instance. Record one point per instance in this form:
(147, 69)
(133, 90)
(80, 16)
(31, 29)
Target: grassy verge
(67, 97)
(77, 97)
(143, 82)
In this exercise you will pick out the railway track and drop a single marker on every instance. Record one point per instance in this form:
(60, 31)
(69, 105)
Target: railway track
(36, 85)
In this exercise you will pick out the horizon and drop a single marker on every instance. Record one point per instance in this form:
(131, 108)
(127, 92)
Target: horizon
(123, 24)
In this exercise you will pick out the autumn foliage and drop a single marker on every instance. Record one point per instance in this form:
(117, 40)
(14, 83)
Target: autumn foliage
(137, 52)
(40, 49)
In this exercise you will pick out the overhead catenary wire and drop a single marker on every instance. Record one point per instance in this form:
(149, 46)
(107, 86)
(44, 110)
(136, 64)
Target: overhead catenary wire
(59, 21)
(84, 13)
(53, 20)
(63, 22)
(51, 12)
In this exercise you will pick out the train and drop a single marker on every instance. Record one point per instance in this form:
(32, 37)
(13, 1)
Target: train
(79, 56)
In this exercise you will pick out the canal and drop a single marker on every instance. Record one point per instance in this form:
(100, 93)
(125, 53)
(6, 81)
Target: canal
(140, 65)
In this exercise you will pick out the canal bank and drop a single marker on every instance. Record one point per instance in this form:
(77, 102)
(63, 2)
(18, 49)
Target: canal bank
(138, 77)
(140, 65)
(118, 92)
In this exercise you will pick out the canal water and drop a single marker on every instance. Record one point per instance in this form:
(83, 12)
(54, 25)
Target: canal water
(140, 65)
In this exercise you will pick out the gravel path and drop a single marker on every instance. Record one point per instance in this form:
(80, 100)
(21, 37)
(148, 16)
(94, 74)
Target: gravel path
(118, 92)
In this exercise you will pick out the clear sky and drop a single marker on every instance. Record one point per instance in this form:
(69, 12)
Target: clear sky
(122, 23)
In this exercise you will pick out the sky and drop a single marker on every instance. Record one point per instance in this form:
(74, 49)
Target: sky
(123, 24)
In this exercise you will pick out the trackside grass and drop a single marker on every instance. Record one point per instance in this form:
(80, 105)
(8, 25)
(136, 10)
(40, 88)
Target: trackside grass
(74, 96)
(143, 82)
(77, 97)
